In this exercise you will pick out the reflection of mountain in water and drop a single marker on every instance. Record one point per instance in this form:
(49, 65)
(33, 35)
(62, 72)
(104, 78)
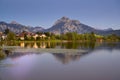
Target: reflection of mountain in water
(67, 57)
(62, 57)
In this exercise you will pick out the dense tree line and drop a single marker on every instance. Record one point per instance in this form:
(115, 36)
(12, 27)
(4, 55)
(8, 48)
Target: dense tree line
(74, 36)
(70, 36)
(112, 37)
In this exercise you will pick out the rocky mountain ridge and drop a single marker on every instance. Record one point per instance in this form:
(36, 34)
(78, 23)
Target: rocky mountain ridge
(62, 25)
(65, 24)
(17, 28)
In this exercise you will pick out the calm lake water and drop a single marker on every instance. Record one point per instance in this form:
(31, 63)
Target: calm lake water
(100, 62)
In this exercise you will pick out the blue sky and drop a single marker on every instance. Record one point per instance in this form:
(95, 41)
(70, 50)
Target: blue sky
(100, 14)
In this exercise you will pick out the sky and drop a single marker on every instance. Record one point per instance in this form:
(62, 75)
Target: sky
(100, 14)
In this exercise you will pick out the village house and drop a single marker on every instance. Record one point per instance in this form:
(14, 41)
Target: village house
(22, 35)
(35, 36)
(43, 36)
(2, 36)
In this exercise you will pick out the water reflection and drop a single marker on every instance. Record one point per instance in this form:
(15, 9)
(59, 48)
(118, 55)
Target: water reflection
(64, 58)
(99, 63)
(2, 55)
(22, 44)
(33, 45)
(69, 45)
(66, 45)
(67, 58)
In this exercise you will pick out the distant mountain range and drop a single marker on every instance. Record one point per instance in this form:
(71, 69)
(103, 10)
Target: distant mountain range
(62, 25)
(17, 28)
(65, 24)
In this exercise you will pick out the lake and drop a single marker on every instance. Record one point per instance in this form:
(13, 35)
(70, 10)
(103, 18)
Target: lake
(100, 61)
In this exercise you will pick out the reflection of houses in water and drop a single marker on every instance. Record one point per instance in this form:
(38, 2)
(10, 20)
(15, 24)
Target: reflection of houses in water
(28, 45)
(22, 44)
(66, 57)
(35, 45)
(48, 45)
(39, 45)
(42, 45)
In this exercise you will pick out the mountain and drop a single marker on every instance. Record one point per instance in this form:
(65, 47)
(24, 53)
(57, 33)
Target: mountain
(64, 25)
(37, 29)
(109, 29)
(17, 28)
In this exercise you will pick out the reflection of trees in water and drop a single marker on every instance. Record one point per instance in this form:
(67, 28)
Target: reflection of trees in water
(67, 45)
(109, 46)
(87, 45)
(77, 45)
(39, 44)
(66, 58)
(15, 55)
(9, 53)
(9, 43)
(2, 54)
(70, 45)
(116, 45)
